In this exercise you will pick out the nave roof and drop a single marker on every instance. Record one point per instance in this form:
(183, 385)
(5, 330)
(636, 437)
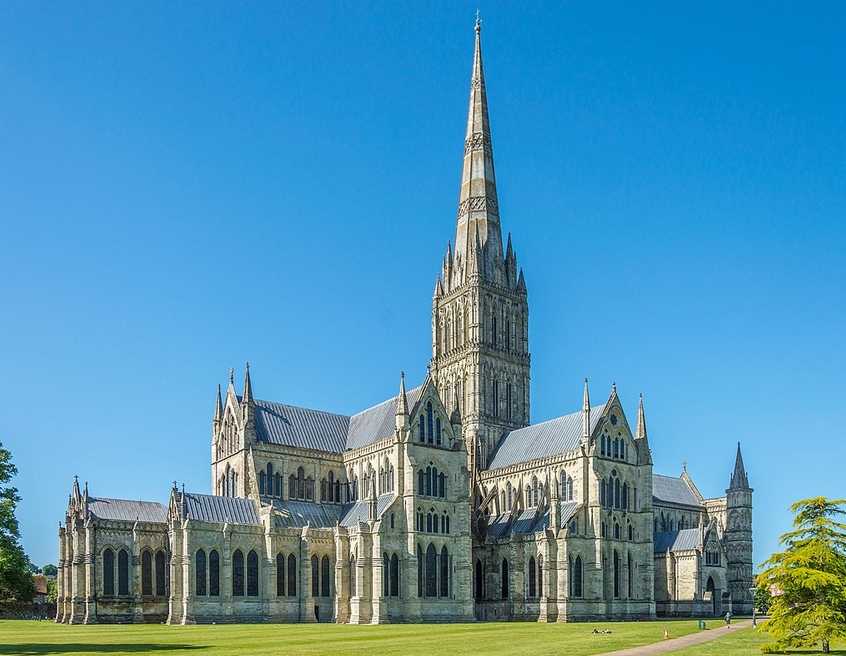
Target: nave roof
(288, 425)
(127, 510)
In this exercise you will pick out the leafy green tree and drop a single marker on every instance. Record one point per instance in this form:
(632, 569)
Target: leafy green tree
(809, 608)
(15, 576)
(50, 570)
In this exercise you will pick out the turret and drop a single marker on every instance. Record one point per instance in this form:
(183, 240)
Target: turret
(738, 536)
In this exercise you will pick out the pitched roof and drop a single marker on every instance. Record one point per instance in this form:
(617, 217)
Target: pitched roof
(684, 540)
(528, 521)
(669, 489)
(127, 510)
(297, 514)
(377, 423)
(215, 509)
(548, 438)
(288, 425)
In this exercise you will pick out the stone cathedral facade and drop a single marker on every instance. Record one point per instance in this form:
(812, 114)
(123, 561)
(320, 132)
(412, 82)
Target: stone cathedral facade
(443, 503)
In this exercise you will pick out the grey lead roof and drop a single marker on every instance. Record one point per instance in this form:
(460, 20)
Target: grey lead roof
(377, 422)
(215, 509)
(528, 521)
(548, 438)
(297, 514)
(127, 510)
(684, 540)
(288, 425)
(669, 489)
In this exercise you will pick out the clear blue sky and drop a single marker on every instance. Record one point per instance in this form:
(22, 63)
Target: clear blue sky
(183, 188)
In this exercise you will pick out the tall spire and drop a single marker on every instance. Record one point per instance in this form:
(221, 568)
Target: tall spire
(738, 477)
(586, 413)
(477, 199)
(640, 434)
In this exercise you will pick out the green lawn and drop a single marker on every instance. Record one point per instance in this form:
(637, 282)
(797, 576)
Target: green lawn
(746, 642)
(23, 637)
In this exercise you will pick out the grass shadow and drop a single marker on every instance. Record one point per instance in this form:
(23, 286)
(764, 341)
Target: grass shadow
(77, 648)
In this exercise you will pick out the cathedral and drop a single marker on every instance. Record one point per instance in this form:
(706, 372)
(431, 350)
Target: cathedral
(441, 504)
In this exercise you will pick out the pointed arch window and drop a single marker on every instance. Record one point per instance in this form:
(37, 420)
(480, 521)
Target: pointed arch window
(252, 574)
(431, 571)
(532, 578)
(386, 575)
(629, 577)
(478, 581)
(325, 580)
(430, 423)
(123, 572)
(292, 487)
(280, 575)
(200, 573)
(438, 436)
(146, 573)
(540, 575)
(292, 575)
(394, 576)
(238, 573)
(300, 483)
(262, 482)
(504, 579)
(108, 573)
(214, 573)
(577, 577)
(422, 428)
(315, 577)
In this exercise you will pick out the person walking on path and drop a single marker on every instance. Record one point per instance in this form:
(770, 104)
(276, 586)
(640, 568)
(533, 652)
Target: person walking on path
(728, 618)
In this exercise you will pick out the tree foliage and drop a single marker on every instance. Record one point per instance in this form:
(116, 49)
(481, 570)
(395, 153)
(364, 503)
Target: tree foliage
(50, 570)
(15, 575)
(809, 577)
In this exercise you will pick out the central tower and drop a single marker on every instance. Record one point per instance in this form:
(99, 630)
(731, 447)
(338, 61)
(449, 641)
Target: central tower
(480, 313)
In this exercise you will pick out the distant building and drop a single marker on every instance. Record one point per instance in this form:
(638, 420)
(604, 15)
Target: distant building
(440, 504)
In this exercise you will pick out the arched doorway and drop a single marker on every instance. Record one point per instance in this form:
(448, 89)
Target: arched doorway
(715, 600)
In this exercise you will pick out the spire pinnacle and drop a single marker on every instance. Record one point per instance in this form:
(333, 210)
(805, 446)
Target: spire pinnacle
(248, 385)
(586, 413)
(738, 477)
(640, 433)
(402, 399)
(477, 198)
(218, 406)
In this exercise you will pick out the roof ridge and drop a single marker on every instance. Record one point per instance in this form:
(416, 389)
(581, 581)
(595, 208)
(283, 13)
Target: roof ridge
(302, 407)
(551, 419)
(391, 399)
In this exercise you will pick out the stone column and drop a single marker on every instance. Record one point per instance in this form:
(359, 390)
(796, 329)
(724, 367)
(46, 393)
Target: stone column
(90, 574)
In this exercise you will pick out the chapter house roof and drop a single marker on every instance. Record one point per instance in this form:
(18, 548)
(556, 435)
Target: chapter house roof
(548, 438)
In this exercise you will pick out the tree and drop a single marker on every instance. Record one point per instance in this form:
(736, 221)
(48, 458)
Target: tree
(763, 599)
(52, 591)
(50, 570)
(810, 574)
(15, 577)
